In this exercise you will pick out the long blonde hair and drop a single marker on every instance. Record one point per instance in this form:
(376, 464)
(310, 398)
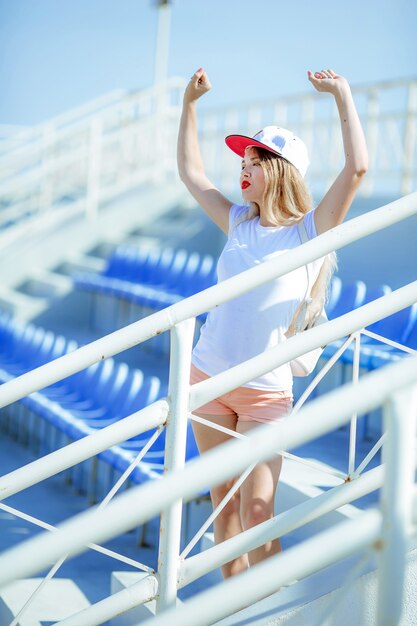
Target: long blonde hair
(287, 200)
(286, 197)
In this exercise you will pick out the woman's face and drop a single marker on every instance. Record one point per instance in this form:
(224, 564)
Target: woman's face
(252, 179)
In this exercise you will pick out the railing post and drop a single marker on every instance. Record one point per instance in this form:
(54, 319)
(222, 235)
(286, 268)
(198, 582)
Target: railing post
(371, 130)
(47, 156)
(410, 134)
(94, 166)
(399, 417)
(175, 444)
(354, 420)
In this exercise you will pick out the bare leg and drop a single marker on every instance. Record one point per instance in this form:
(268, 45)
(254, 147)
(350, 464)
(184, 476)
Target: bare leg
(257, 497)
(227, 523)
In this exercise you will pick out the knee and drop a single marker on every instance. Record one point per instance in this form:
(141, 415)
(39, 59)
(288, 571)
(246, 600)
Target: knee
(256, 513)
(232, 506)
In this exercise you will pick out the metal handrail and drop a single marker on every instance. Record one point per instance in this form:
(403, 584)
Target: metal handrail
(176, 317)
(314, 420)
(197, 304)
(32, 172)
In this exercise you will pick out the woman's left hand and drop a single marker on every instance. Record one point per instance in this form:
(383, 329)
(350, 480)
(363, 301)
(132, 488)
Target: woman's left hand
(327, 81)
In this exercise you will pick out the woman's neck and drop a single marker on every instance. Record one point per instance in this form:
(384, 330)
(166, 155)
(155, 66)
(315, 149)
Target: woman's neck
(266, 220)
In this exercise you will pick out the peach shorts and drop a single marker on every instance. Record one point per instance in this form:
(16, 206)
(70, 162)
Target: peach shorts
(249, 405)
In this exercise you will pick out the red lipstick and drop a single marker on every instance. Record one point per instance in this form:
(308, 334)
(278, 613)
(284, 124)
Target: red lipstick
(245, 184)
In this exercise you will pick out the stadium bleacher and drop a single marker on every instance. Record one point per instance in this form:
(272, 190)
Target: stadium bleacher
(108, 391)
(93, 398)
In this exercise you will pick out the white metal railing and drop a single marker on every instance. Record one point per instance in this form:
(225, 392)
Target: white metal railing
(388, 111)
(328, 412)
(319, 417)
(82, 159)
(92, 154)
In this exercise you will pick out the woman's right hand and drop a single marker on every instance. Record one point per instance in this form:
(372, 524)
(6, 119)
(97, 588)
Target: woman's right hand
(199, 85)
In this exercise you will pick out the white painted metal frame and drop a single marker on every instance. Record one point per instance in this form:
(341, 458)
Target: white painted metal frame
(320, 416)
(182, 483)
(115, 143)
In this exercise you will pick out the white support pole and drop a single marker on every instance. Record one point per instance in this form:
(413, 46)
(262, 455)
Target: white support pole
(354, 420)
(94, 165)
(175, 445)
(162, 41)
(410, 134)
(371, 130)
(400, 413)
(45, 182)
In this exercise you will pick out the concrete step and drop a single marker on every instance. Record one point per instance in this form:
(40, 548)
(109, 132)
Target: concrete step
(45, 284)
(59, 599)
(323, 598)
(80, 263)
(20, 305)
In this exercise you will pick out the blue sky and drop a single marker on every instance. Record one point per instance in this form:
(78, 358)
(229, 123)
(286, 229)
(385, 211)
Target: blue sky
(57, 54)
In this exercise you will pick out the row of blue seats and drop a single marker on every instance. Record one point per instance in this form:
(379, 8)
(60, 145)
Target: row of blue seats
(400, 327)
(78, 405)
(154, 279)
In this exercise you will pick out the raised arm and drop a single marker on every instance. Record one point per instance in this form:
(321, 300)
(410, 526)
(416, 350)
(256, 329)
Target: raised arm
(190, 163)
(333, 208)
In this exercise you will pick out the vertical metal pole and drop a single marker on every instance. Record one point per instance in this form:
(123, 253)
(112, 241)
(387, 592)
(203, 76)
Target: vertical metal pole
(47, 145)
(162, 41)
(94, 164)
(410, 133)
(161, 90)
(175, 445)
(372, 122)
(354, 418)
(396, 502)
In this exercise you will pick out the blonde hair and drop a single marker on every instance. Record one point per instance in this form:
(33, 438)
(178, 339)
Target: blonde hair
(286, 197)
(287, 200)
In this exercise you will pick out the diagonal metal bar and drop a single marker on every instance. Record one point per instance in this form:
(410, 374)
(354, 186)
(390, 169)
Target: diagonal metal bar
(368, 457)
(38, 590)
(389, 342)
(321, 374)
(54, 569)
(131, 467)
(313, 465)
(294, 457)
(93, 546)
(217, 511)
(150, 417)
(215, 426)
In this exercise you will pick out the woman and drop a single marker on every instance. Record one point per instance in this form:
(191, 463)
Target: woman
(274, 162)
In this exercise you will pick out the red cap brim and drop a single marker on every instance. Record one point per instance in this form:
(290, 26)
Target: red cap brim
(239, 143)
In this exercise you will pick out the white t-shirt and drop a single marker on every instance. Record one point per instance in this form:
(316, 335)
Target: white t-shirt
(250, 324)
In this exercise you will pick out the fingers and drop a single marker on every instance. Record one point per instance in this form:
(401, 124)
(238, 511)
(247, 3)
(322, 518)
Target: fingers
(199, 76)
(199, 85)
(322, 74)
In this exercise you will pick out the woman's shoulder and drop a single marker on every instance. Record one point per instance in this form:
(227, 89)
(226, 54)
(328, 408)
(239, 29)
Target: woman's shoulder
(309, 223)
(237, 212)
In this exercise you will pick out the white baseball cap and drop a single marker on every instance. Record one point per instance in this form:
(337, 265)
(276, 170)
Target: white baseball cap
(277, 140)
